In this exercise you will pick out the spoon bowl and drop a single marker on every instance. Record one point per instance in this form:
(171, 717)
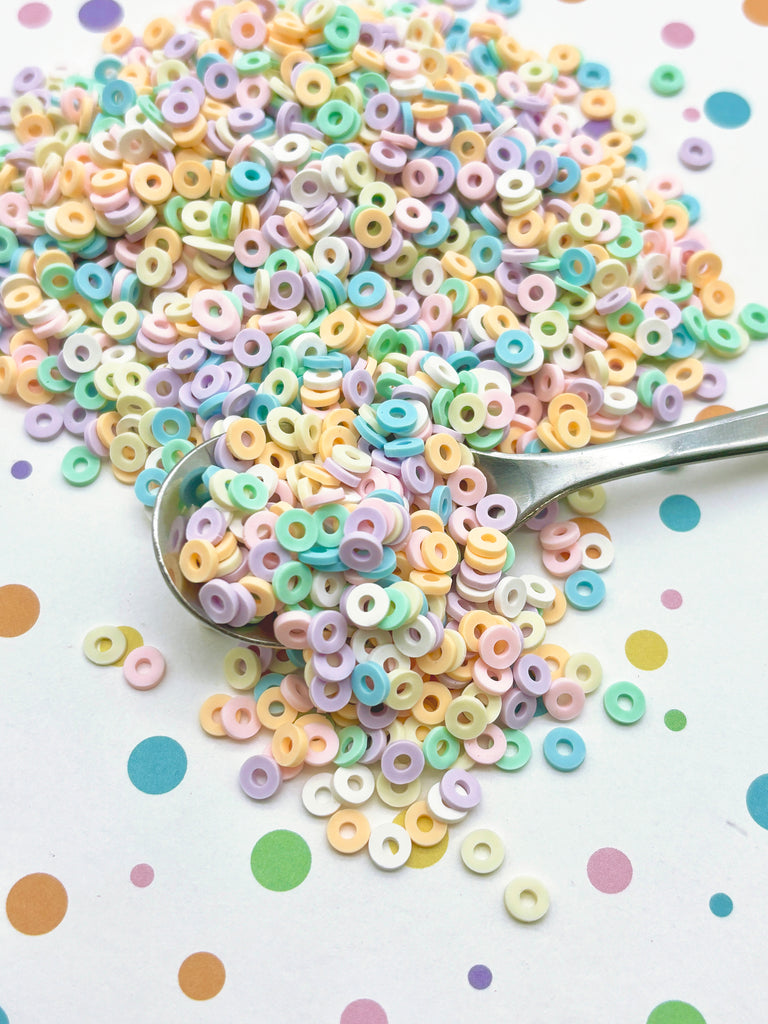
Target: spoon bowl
(533, 481)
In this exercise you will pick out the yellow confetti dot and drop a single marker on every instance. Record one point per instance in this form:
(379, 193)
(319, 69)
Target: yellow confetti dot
(423, 856)
(646, 649)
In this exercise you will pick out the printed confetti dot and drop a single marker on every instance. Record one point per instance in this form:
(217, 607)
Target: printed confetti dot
(36, 904)
(142, 875)
(727, 109)
(157, 765)
(645, 649)
(19, 609)
(480, 976)
(709, 412)
(756, 11)
(675, 720)
(363, 1011)
(100, 15)
(21, 470)
(3, 1016)
(423, 856)
(677, 34)
(680, 513)
(671, 599)
(609, 870)
(675, 1012)
(280, 860)
(757, 800)
(133, 639)
(691, 114)
(34, 16)
(720, 904)
(202, 976)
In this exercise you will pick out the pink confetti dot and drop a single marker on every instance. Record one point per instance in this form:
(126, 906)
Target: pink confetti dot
(34, 15)
(609, 870)
(691, 114)
(671, 598)
(363, 1011)
(677, 34)
(142, 875)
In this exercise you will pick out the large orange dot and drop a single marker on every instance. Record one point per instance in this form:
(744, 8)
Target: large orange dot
(756, 10)
(36, 904)
(202, 976)
(19, 609)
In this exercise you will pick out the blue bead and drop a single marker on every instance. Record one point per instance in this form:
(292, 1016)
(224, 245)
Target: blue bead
(463, 360)
(584, 589)
(366, 431)
(593, 76)
(578, 266)
(486, 254)
(248, 179)
(211, 406)
(141, 486)
(370, 683)
(93, 281)
(404, 447)
(440, 501)
(387, 565)
(637, 157)
(436, 233)
(391, 496)
(692, 205)
(260, 405)
(396, 417)
(571, 179)
(366, 290)
(564, 762)
(117, 96)
(170, 417)
(514, 348)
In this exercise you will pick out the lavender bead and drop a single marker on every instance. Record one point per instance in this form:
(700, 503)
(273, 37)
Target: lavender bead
(327, 632)
(206, 524)
(517, 709)
(667, 403)
(329, 696)
(378, 717)
(265, 557)
(532, 675)
(43, 422)
(459, 790)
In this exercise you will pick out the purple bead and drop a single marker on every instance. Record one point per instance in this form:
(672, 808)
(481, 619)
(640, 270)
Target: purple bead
(478, 580)
(517, 709)
(407, 311)
(221, 80)
(260, 777)
(417, 475)
(265, 557)
(377, 742)
(181, 46)
(226, 459)
(206, 524)
(713, 383)
(590, 391)
(218, 602)
(286, 289)
(382, 111)
(413, 393)
(43, 422)
(76, 419)
(446, 174)
(336, 665)
(696, 154)
(548, 514)
(358, 387)
(459, 790)
(371, 36)
(378, 717)
(208, 381)
(187, 356)
(498, 511)
(244, 120)
(251, 347)
(27, 79)
(439, 628)
(402, 774)
(366, 522)
(328, 696)
(667, 403)
(180, 108)
(613, 301)
(327, 632)
(238, 400)
(542, 164)
(380, 461)
(532, 675)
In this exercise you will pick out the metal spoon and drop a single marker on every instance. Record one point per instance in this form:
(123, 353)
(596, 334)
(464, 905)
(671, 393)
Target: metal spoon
(532, 480)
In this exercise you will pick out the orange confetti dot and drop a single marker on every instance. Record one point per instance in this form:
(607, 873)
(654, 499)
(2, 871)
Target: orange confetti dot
(202, 976)
(36, 904)
(710, 411)
(756, 11)
(588, 525)
(19, 609)
(646, 649)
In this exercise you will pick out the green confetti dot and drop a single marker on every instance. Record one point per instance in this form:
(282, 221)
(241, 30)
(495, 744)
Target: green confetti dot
(675, 1012)
(675, 720)
(280, 860)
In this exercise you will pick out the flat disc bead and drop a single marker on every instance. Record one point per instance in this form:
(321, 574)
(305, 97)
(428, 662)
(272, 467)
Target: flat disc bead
(144, 667)
(318, 797)
(482, 851)
(389, 846)
(260, 777)
(526, 899)
(104, 645)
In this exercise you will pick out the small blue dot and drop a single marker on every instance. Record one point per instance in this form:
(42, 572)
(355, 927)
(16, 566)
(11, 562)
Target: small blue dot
(720, 904)
(679, 513)
(727, 109)
(757, 800)
(157, 765)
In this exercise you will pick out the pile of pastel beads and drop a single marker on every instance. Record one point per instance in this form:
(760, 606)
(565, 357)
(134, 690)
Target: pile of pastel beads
(357, 243)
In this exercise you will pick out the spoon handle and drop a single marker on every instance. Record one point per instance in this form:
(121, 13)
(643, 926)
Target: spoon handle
(536, 480)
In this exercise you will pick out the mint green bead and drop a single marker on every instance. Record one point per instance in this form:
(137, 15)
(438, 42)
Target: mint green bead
(292, 582)
(667, 80)
(221, 218)
(282, 259)
(679, 292)
(49, 376)
(467, 384)
(80, 466)
(726, 339)
(172, 214)
(629, 241)
(174, 451)
(247, 492)
(338, 120)
(626, 320)
(511, 555)
(57, 280)
(754, 319)
(521, 744)
(440, 748)
(296, 529)
(647, 383)
(353, 743)
(440, 404)
(330, 525)
(86, 394)
(342, 32)
(8, 244)
(695, 323)
(254, 63)
(399, 610)
(457, 291)
(370, 83)
(486, 442)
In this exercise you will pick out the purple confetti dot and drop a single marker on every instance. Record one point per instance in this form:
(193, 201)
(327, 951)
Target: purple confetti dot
(480, 976)
(100, 15)
(20, 470)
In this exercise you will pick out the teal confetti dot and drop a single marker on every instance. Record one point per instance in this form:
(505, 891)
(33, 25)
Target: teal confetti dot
(3, 1016)
(727, 109)
(757, 800)
(720, 904)
(679, 513)
(157, 765)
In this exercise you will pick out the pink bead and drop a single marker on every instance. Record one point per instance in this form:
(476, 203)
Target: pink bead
(420, 177)
(467, 485)
(239, 718)
(638, 421)
(248, 31)
(482, 754)
(437, 312)
(503, 407)
(536, 293)
(476, 181)
(291, 629)
(216, 313)
(559, 536)
(495, 681)
(401, 63)
(527, 404)
(323, 744)
(500, 646)
(413, 549)
(434, 133)
(588, 338)
(549, 382)
(460, 522)
(144, 667)
(564, 699)
(562, 563)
